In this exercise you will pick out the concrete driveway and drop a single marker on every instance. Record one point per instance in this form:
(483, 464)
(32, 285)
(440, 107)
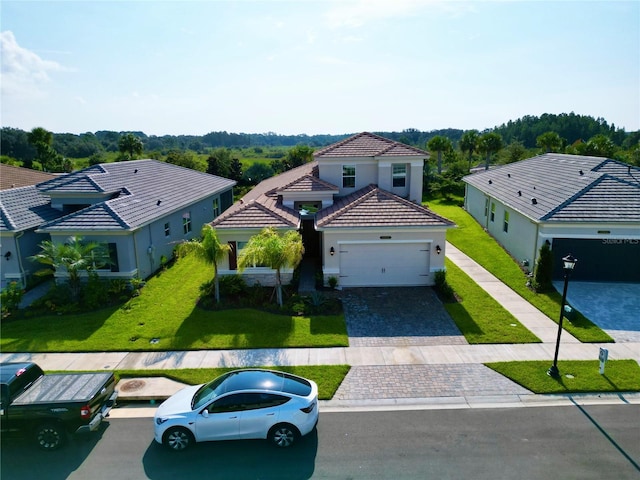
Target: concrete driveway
(614, 307)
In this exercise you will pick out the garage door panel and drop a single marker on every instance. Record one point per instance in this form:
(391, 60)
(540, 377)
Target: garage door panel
(384, 264)
(602, 260)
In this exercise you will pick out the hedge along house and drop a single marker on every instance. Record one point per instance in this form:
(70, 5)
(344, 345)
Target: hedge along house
(586, 206)
(136, 210)
(357, 207)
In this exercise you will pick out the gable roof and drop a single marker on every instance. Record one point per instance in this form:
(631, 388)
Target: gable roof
(561, 187)
(136, 193)
(261, 204)
(14, 177)
(373, 207)
(367, 144)
(24, 208)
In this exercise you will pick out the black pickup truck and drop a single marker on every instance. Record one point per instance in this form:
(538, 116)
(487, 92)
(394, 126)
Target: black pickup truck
(50, 407)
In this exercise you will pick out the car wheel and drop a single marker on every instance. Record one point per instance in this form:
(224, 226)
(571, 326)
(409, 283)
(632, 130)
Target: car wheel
(50, 436)
(178, 439)
(283, 435)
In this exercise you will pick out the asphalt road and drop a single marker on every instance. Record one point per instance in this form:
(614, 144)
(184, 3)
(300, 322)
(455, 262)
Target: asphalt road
(595, 442)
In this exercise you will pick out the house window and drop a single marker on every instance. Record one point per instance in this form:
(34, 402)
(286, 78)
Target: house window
(216, 207)
(348, 176)
(486, 207)
(493, 212)
(167, 230)
(186, 222)
(399, 174)
(241, 245)
(105, 257)
(505, 226)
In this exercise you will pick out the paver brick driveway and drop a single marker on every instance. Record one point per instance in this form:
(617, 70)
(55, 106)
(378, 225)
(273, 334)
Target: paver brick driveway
(398, 316)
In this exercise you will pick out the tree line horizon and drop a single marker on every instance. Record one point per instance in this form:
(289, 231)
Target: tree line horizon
(570, 127)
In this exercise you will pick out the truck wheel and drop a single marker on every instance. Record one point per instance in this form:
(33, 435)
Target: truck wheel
(50, 436)
(178, 439)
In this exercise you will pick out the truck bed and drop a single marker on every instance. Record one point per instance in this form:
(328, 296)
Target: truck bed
(63, 388)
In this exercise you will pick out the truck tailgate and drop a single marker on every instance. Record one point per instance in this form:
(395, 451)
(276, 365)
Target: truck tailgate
(65, 388)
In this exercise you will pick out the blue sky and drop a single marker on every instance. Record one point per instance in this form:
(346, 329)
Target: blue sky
(314, 67)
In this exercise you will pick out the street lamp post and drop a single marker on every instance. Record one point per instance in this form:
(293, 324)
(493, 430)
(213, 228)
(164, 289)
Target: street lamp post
(569, 262)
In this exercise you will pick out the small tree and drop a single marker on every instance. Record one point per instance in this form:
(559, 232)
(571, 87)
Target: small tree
(439, 144)
(489, 143)
(209, 249)
(544, 269)
(74, 256)
(130, 144)
(273, 250)
(469, 143)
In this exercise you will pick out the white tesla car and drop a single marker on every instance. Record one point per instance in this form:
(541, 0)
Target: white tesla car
(241, 404)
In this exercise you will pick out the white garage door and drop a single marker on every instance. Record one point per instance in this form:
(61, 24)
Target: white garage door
(384, 264)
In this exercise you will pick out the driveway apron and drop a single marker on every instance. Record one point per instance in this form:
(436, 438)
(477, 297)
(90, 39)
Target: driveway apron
(409, 317)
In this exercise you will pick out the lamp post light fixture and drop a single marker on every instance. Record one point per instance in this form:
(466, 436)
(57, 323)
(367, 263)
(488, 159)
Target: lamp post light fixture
(568, 264)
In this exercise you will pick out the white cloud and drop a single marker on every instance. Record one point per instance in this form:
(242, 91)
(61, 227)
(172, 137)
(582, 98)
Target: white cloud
(354, 14)
(24, 73)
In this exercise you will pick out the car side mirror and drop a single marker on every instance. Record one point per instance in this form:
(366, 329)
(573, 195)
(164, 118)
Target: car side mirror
(205, 413)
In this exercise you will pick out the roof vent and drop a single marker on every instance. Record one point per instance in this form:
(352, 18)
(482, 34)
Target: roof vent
(158, 202)
(509, 175)
(490, 182)
(519, 193)
(135, 171)
(534, 201)
(581, 172)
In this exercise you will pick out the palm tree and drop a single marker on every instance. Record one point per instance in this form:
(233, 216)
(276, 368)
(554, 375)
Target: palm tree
(209, 249)
(273, 250)
(74, 256)
(130, 144)
(439, 144)
(489, 143)
(550, 141)
(469, 142)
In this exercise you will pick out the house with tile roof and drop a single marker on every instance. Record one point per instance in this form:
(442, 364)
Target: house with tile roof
(13, 177)
(137, 210)
(357, 206)
(586, 206)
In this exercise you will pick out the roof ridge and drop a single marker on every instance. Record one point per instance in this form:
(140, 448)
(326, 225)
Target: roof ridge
(348, 204)
(574, 197)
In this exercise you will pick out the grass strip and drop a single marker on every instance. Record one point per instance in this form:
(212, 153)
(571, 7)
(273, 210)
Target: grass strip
(480, 318)
(471, 239)
(576, 376)
(328, 377)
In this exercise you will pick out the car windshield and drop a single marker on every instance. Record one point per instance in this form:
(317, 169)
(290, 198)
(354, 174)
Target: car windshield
(208, 392)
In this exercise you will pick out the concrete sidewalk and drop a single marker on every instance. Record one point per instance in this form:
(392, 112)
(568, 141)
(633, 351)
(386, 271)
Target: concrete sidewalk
(384, 374)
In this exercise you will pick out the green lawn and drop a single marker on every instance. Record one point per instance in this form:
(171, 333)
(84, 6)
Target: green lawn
(575, 376)
(479, 317)
(166, 311)
(471, 239)
(328, 377)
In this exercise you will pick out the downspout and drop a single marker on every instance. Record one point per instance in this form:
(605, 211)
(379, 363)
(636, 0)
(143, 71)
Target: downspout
(20, 266)
(135, 254)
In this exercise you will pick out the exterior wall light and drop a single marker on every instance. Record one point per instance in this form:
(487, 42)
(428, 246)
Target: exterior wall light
(7, 256)
(438, 249)
(332, 251)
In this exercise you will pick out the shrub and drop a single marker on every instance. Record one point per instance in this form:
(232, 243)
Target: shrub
(443, 288)
(333, 282)
(542, 281)
(11, 297)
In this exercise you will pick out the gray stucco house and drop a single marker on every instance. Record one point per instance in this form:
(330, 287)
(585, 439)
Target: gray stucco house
(139, 210)
(586, 206)
(358, 208)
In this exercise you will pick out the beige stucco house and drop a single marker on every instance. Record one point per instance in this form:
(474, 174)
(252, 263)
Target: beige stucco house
(358, 208)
